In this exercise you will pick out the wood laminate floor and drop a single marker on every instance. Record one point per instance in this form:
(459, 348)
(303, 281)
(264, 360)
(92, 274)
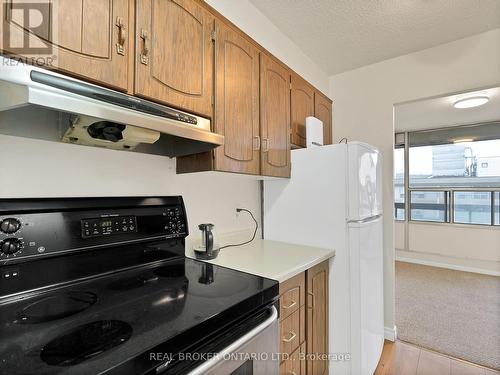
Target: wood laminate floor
(399, 358)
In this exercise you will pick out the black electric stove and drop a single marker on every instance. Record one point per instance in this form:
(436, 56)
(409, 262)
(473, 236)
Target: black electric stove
(93, 286)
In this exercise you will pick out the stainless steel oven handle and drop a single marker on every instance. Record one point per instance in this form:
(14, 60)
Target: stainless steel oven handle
(205, 366)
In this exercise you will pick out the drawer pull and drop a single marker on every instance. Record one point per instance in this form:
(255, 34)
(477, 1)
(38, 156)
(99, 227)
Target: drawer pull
(120, 45)
(290, 305)
(292, 373)
(145, 47)
(312, 299)
(256, 143)
(267, 142)
(291, 338)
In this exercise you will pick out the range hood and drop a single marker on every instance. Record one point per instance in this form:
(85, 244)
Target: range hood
(96, 116)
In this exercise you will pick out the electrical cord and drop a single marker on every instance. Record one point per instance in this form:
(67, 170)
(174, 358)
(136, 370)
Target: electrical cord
(254, 232)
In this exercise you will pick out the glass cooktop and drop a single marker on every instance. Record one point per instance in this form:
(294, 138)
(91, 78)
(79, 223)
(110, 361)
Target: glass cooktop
(112, 321)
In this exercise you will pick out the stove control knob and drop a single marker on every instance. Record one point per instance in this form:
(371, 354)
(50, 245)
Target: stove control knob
(10, 246)
(10, 225)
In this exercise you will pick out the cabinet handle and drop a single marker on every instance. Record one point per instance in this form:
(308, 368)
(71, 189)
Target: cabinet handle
(145, 47)
(292, 336)
(290, 305)
(120, 45)
(267, 143)
(256, 143)
(312, 296)
(292, 373)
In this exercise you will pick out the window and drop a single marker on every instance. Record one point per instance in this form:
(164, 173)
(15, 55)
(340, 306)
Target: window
(472, 207)
(453, 175)
(455, 157)
(429, 206)
(399, 185)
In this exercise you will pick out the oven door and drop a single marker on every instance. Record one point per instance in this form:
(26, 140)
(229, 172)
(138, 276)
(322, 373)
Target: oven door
(256, 352)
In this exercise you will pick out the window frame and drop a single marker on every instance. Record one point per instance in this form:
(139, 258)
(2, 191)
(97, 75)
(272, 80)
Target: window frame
(449, 194)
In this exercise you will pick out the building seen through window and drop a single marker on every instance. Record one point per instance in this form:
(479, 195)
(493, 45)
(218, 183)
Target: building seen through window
(454, 175)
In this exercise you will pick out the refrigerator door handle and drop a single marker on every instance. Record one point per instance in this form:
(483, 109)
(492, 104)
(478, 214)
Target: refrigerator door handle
(366, 220)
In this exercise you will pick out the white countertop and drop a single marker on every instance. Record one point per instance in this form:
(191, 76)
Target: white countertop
(274, 260)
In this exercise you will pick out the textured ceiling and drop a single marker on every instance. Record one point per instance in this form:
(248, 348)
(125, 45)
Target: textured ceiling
(341, 35)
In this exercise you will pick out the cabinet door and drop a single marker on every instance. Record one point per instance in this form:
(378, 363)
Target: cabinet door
(236, 102)
(174, 54)
(86, 38)
(317, 317)
(302, 106)
(274, 117)
(323, 111)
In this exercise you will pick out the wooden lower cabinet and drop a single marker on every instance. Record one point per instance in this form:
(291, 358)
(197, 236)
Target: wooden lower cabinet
(304, 322)
(295, 365)
(317, 317)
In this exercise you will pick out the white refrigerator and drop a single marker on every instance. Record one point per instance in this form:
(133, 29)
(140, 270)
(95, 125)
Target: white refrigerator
(334, 200)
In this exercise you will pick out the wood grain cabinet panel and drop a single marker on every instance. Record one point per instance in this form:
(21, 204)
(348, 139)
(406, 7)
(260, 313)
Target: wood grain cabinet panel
(295, 365)
(292, 294)
(317, 317)
(236, 102)
(89, 38)
(275, 117)
(302, 106)
(323, 111)
(174, 54)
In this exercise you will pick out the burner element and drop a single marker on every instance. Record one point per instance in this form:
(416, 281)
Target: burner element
(85, 342)
(171, 270)
(55, 307)
(131, 282)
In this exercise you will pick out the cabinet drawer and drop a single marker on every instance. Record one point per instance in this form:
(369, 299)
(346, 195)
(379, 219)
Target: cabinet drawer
(294, 365)
(292, 331)
(292, 295)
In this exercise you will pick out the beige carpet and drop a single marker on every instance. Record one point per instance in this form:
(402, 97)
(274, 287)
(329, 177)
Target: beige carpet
(452, 312)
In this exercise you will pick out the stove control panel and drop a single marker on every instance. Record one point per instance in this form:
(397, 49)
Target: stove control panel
(108, 225)
(34, 228)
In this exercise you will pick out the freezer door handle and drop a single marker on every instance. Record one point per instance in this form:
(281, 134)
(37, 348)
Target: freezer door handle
(366, 220)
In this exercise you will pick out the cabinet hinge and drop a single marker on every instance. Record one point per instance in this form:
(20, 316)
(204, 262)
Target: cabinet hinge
(290, 85)
(214, 35)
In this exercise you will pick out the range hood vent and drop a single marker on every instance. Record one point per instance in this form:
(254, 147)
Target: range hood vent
(97, 116)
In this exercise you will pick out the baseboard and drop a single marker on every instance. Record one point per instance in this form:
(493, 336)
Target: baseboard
(447, 265)
(390, 333)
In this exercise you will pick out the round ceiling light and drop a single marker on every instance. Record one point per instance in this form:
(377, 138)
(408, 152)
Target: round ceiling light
(473, 101)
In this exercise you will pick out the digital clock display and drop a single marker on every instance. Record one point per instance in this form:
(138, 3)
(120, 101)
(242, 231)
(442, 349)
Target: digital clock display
(106, 223)
(108, 226)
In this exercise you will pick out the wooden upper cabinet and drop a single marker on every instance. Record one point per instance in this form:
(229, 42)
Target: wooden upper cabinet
(236, 102)
(89, 38)
(274, 117)
(317, 317)
(174, 54)
(323, 111)
(302, 106)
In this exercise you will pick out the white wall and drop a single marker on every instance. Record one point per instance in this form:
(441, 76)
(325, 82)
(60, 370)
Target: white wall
(48, 169)
(474, 248)
(364, 99)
